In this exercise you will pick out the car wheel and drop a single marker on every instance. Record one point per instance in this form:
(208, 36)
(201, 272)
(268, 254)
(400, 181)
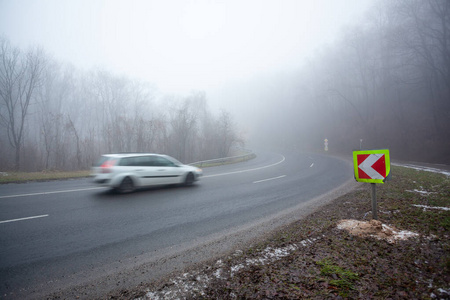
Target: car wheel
(189, 179)
(126, 186)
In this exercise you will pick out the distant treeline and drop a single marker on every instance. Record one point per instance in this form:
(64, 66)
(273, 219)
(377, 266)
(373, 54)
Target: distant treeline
(385, 81)
(53, 116)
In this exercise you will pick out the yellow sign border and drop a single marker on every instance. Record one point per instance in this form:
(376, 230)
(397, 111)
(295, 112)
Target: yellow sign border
(387, 160)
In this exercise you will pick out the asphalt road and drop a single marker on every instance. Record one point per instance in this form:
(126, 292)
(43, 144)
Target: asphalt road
(57, 233)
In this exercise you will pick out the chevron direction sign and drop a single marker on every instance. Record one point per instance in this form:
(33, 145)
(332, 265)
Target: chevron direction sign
(371, 166)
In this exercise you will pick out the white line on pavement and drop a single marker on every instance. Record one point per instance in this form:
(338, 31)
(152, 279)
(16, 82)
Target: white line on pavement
(54, 192)
(268, 179)
(23, 219)
(248, 170)
(96, 188)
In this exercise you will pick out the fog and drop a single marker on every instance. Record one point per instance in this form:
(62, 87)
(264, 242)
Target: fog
(178, 45)
(196, 78)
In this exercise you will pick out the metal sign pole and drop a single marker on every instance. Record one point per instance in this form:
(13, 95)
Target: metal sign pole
(374, 201)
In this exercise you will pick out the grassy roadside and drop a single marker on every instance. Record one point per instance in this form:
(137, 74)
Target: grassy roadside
(18, 177)
(314, 259)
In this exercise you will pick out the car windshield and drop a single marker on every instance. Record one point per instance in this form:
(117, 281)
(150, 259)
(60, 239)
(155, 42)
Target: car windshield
(176, 162)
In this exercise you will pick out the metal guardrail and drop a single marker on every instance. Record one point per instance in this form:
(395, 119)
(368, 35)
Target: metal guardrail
(224, 160)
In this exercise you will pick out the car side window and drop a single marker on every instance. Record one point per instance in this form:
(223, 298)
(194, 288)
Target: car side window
(130, 162)
(138, 161)
(126, 161)
(162, 162)
(146, 161)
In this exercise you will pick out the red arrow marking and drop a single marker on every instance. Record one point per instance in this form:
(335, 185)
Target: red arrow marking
(361, 158)
(363, 174)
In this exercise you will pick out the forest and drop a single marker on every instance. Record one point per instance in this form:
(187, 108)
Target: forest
(383, 83)
(55, 117)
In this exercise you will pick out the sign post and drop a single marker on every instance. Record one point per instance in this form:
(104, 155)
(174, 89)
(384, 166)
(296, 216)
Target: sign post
(374, 201)
(372, 166)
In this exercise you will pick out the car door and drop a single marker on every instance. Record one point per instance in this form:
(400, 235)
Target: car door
(166, 171)
(142, 168)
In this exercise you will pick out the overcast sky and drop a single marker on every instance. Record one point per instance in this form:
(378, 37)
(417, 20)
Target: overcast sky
(179, 45)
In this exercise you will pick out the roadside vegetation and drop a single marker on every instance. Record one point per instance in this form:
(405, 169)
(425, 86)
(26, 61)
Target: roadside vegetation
(314, 259)
(18, 177)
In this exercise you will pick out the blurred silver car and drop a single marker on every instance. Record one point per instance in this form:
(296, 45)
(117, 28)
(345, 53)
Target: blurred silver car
(127, 172)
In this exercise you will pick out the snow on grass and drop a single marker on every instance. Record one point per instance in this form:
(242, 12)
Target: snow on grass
(427, 169)
(197, 281)
(425, 207)
(423, 192)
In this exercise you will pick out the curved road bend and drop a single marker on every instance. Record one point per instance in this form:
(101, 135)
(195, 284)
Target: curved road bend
(58, 234)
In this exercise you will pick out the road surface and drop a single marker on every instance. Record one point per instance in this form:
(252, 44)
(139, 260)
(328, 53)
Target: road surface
(58, 234)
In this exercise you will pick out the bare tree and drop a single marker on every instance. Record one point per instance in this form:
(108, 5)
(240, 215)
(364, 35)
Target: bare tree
(20, 75)
(183, 121)
(226, 134)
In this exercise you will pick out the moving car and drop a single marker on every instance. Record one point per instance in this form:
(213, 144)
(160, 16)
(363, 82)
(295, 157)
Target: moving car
(127, 172)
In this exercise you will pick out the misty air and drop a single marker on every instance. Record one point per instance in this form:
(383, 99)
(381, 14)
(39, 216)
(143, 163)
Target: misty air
(146, 142)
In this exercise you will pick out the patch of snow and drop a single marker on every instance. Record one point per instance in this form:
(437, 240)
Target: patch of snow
(431, 207)
(235, 269)
(150, 295)
(420, 192)
(4, 174)
(307, 242)
(219, 263)
(196, 282)
(269, 254)
(427, 169)
(218, 273)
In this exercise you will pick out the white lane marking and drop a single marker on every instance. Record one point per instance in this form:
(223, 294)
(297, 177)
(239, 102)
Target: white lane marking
(54, 192)
(248, 170)
(96, 188)
(268, 179)
(22, 219)
(311, 165)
